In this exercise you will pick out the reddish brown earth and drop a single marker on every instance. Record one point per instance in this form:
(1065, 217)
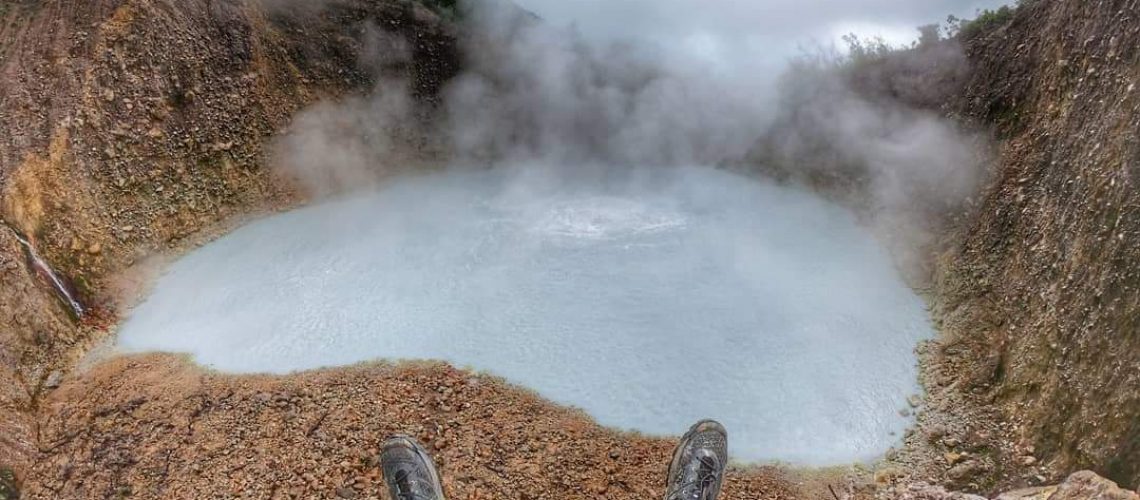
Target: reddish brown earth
(158, 427)
(131, 129)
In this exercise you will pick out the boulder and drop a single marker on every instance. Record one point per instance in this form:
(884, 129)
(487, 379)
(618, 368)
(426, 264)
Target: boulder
(1038, 493)
(924, 491)
(1087, 485)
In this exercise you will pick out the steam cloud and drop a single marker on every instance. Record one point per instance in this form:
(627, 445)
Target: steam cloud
(850, 133)
(535, 94)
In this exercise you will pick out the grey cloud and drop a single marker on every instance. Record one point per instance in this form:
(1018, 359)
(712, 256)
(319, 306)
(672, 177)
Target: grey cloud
(786, 22)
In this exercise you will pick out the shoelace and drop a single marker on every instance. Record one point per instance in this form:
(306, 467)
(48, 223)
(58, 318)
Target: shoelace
(698, 487)
(404, 487)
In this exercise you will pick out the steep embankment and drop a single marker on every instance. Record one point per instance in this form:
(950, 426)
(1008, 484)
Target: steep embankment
(128, 126)
(1042, 298)
(1038, 371)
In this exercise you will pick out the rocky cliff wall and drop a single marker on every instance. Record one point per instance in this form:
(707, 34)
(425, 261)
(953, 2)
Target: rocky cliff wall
(1044, 291)
(128, 127)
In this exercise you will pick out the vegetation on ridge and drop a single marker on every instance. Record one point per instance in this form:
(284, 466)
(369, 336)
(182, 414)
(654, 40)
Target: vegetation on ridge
(8, 489)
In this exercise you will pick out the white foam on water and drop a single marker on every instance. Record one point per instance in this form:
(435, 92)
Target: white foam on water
(649, 299)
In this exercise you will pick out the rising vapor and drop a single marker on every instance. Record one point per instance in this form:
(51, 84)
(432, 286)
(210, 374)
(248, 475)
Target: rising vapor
(535, 94)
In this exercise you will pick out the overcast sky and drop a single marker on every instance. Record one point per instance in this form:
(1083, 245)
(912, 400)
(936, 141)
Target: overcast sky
(767, 29)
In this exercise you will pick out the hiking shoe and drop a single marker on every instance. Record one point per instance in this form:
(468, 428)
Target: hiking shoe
(697, 469)
(409, 471)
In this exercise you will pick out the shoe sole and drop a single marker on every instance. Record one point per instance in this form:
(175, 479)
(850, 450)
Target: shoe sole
(706, 425)
(407, 442)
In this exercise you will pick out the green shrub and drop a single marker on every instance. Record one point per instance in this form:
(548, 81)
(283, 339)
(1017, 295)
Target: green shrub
(445, 8)
(861, 50)
(986, 21)
(8, 489)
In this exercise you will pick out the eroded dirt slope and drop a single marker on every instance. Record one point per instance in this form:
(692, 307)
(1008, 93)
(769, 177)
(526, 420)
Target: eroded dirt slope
(1042, 300)
(129, 126)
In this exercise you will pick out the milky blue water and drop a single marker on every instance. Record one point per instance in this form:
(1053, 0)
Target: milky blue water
(649, 298)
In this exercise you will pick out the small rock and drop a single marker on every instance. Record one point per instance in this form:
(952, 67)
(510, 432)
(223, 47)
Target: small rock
(936, 432)
(54, 379)
(967, 470)
(95, 249)
(1087, 484)
(952, 458)
(924, 491)
(1028, 460)
(1037, 493)
(888, 475)
(914, 400)
(345, 492)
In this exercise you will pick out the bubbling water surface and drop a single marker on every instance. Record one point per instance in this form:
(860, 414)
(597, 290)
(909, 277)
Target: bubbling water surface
(649, 298)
